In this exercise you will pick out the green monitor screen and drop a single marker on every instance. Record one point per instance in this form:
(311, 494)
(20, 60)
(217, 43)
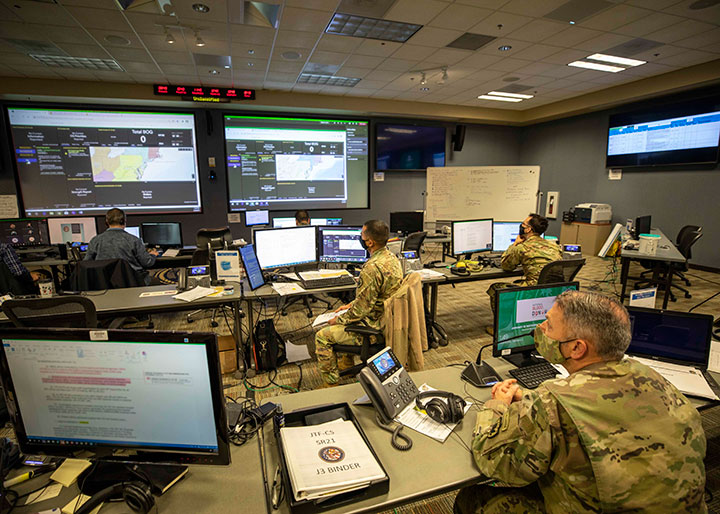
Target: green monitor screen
(518, 311)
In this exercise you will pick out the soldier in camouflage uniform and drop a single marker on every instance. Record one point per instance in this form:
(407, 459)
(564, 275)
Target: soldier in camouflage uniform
(379, 278)
(614, 436)
(529, 250)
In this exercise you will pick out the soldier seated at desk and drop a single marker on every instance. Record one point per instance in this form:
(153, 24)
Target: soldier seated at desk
(379, 278)
(614, 436)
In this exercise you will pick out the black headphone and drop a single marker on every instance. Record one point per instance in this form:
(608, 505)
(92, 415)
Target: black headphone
(136, 494)
(450, 411)
(462, 271)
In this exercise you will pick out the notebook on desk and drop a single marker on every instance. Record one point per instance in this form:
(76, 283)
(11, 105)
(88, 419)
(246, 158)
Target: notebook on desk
(676, 345)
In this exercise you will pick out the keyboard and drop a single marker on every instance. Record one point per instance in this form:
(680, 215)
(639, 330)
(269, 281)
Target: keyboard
(532, 376)
(343, 280)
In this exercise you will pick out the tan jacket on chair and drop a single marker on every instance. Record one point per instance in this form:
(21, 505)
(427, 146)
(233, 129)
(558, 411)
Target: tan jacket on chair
(404, 322)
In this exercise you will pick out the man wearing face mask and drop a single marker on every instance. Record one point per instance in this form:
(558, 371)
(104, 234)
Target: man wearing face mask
(379, 278)
(614, 436)
(530, 251)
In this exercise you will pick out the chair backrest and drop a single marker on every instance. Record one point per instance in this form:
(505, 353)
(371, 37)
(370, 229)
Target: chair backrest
(560, 271)
(414, 242)
(213, 239)
(104, 274)
(685, 247)
(404, 323)
(687, 229)
(60, 311)
(11, 284)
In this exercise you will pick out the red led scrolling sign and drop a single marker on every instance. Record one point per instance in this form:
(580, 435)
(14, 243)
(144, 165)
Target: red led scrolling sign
(204, 92)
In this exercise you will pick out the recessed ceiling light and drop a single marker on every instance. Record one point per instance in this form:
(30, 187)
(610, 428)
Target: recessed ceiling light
(499, 98)
(227, 66)
(596, 66)
(571, 22)
(424, 89)
(251, 51)
(504, 48)
(327, 80)
(251, 64)
(616, 60)
(291, 55)
(213, 72)
(370, 28)
(200, 8)
(116, 40)
(511, 95)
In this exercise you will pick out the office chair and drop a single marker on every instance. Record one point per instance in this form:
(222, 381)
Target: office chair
(690, 237)
(11, 284)
(684, 232)
(560, 271)
(60, 311)
(207, 242)
(414, 242)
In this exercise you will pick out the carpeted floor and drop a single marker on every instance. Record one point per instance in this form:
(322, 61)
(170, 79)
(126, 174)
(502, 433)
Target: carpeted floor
(464, 312)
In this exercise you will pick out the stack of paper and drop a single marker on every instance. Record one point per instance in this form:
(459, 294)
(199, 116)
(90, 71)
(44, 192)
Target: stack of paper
(687, 379)
(195, 293)
(323, 319)
(328, 459)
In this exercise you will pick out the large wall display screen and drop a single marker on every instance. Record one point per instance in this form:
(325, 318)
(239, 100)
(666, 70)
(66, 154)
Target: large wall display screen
(80, 162)
(296, 163)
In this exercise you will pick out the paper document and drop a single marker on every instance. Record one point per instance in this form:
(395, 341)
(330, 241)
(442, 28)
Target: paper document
(290, 276)
(418, 420)
(714, 364)
(686, 378)
(296, 352)
(429, 273)
(69, 470)
(323, 273)
(285, 288)
(171, 252)
(195, 293)
(76, 502)
(158, 293)
(50, 491)
(324, 318)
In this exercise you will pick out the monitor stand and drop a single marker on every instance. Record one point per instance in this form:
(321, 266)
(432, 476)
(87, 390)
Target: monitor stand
(523, 359)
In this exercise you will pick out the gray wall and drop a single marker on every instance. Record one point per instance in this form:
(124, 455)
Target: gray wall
(571, 153)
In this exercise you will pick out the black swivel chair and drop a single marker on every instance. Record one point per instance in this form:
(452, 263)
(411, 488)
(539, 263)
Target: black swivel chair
(104, 274)
(414, 242)
(60, 311)
(365, 350)
(560, 271)
(684, 232)
(208, 241)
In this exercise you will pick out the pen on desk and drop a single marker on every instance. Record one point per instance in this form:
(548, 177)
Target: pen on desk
(30, 474)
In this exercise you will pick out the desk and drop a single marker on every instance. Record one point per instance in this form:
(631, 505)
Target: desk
(666, 252)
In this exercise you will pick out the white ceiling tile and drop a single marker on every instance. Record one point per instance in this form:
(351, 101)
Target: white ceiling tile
(172, 57)
(42, 12)
(659, 53)
(412, 52)
(400, 65)
(658, 5)
(565, 56)
(561, 71)
(273, 85)
(537, 30)
(129, 54)
(682, 30)
(537, 52)
(37, 71)
(63, 35)
(349, 71)
(537, 68)
(85, 51)
(510, 22)
(714, 47)
(178, 69)
(97, 4)
(533, 81)
(358, 91)
(378, 48)
(254, 35)
(402, 83)
(515, 47)
(99, 18)
(20, 30)
(572, 36)
(485, 4)
(435, 37)
(147, 23)
(700, 40)
(509, 64)
(364, 61)
(532, 7)
(322, 5)
(383, 76)
(18, 59)
(282, 77)
(308, 20)
(279, 50)
(649, 69)
(286, 67)
(459, 17)
(683, 9)
(648, 24)
(386, 94)
(151, 78)
(294, 38)
(248, 50)
(480, 61)
(687, 58)
(76, 74)
(449, 56)
(6, 71)
(113, 76)
(322, 57)
(372, 84)
(614, 17)
(138, 67)
(418, 12)
(334, 43)
(602, 43)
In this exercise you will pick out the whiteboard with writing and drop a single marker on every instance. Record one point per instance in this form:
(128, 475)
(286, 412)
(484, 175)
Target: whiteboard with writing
(505, 193)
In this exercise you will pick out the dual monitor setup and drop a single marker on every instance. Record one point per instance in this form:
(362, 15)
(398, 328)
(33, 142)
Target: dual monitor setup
(262, 218)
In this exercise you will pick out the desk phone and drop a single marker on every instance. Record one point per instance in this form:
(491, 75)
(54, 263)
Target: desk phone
(387, 384)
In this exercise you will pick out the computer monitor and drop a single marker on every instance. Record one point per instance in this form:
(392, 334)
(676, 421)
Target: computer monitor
(321, 222)
(71, 230)
(252, 267)
(406, 222)
(471, 236)
(165, 234)
(133, 230)
(284, 222)
(681, 337)
(504, 234)
(518, 310)
(24, 231)
(341, 244)
(283, 247)
(253, 218)
(142, 396)
(642, 226)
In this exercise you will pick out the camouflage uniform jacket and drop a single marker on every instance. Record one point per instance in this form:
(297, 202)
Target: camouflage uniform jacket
(533, 254)
(614, 436)
(379, 278)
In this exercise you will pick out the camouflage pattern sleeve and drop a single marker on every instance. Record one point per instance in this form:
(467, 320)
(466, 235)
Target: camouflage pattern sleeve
(511, 258)
(365, 296)
(514, 443)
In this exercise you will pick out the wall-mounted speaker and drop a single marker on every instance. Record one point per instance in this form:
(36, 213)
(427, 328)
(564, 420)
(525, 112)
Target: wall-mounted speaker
(458, 138)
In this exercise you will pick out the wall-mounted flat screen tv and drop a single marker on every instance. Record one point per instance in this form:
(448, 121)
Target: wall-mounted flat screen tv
(673, 135)
(409, 147)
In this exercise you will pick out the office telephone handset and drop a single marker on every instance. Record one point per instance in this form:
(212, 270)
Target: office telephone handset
(182, 280)
(390, 390)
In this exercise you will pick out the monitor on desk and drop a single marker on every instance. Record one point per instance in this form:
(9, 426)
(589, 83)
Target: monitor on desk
(504, 234)
(284, 222)
(406, 222)
(252, 267)
(642, 226)
(253, 218)
(165, 234)
(680, 337)
(321, 222)
(139, 395)
(285, 247)
(71, 230)
(472, 236)
(24, 232)
(341, 244)
(518, 310)
(134, 231)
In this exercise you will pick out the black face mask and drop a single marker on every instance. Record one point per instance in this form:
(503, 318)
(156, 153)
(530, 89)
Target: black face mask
(363, 244)
(522, 231)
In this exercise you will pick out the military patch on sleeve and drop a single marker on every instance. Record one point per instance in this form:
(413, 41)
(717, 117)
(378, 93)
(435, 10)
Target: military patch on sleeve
(494, 429)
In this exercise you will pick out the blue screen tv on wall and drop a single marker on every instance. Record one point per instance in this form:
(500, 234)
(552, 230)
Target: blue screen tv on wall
(409, 147)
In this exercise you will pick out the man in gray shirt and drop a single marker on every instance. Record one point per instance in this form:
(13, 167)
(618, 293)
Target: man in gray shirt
(115, 243)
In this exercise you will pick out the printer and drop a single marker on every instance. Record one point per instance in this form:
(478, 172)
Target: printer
(595, 213)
